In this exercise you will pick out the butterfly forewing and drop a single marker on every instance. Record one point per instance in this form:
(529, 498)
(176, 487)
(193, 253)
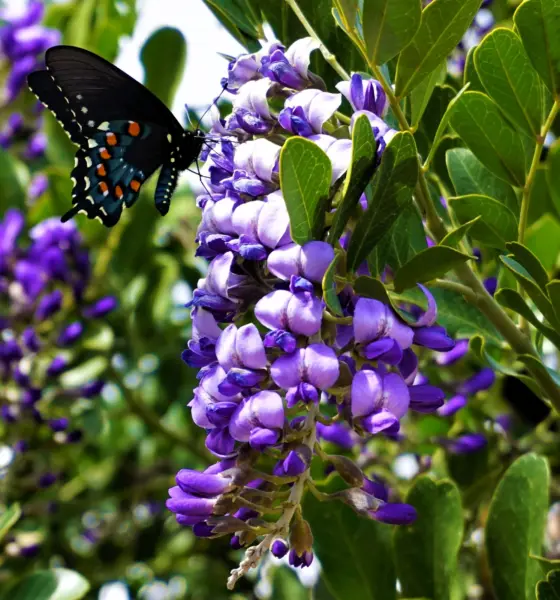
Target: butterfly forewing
(123, 131)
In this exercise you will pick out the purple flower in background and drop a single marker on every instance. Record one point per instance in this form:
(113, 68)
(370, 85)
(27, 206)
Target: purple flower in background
(364, 94)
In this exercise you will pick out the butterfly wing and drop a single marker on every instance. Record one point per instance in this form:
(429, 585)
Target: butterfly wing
(123, 131)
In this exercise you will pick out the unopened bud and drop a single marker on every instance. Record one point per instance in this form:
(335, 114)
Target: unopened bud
(348, 470)
(301, 538)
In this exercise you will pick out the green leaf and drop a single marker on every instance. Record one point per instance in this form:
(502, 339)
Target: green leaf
(470, 176)
(85, 372)
(347, 9)
(13, 178)
(478, 120)
(543, 239)
(453, 238)
(389, 26)
(525, 257)
(470, 74)
(392, 191)
(345, 544)
(460, 318)
(553, 289)
(55, 584)
(532, 288)
(80, 25)
(436, 109)
(240, 14)
(362, 168)
(553, 174)
(163, 82)
(515, 528)
(512, 300)
(287, 586)
(305, 179)
(421, 95)
(9, 518)
(329, 286)
(548, 564)
(497, 225)
(549, 589)
(509, 78)
(427, 265)
(443, 24)
(427, 549)
(538, 23)
(368, 287)
(405, 239)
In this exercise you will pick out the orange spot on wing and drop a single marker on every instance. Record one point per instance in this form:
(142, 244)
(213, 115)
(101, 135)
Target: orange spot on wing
(118, 192)
(104, 153)
(103, 186)
(133, 128)
(101, 170)
(135, 185)
(111, 139)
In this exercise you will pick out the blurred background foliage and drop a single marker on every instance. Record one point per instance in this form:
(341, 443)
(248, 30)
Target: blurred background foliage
(105, 517)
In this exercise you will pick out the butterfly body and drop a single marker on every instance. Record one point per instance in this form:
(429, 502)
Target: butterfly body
(124, 133)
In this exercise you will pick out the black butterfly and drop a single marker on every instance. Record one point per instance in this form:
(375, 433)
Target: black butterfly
(123, 131)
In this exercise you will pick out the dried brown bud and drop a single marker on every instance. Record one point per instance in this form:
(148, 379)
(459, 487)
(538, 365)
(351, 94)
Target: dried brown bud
(301, 537)
(227, 524)
(348, 470)
(357, 499)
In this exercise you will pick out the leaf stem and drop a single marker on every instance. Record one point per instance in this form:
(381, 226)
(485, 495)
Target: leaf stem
(328, 56)
(454, 286)
(526, 197)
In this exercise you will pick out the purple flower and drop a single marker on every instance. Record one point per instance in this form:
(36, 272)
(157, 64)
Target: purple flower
(48, 305)
(452, 406)
(70, 334)
(479, 382)
(466, 444)
(379, 401)
(394, 514)
(316, 364)
(306, 112)
(259, 420)
(290, 68)
(374, 320)
(38, 185)
(364, 94)
(101, 308)
(279, 548)
(309, 261)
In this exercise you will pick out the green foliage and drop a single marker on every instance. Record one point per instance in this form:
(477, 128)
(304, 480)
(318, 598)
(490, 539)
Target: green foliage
(305, 178)
(391, 192)
(515, 528)
(427, 549)
(8, 519)
(55, 584)
(549, 589)
(355, 553)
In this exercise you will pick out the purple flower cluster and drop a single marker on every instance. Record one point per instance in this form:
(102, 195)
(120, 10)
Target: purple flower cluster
(23, 41)
(43, 317)
(278, 372)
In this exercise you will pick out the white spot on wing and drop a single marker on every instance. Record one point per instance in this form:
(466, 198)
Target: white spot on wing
(92, 143)
(103, 126)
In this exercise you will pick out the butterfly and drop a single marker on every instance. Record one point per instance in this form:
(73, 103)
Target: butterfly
(124, 133)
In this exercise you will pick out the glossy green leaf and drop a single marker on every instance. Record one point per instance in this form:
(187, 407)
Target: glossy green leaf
(543, 239)
(80, 26)
(494, 142)
(240, 14)
(389, 26)
(538, 23)
(345, 549)
(305, 179)
(421, 95)
(287, 586)
(329, 286)
(470, 176)
(362, 168)
(460, 318)
(13, 179)
(525, 257)
(531, 287)
(368, 287)
(443, 24)
(436, 109)
(549, 589)
(429, 264)
(427, 549)
(553, 174)
(405, 239)
(548, 564)
(510, 79)
(453, 238)
(511, 299)
(348, 10)
(55, 584)
(9, 518)
(392, 191)
(470, 75)
(540, 198)
(515, 528)
(163, 82)
(497, 224)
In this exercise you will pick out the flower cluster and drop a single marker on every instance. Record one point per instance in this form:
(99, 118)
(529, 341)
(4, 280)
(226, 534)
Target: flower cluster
(278, 372)
(43, 317)
(23, 41)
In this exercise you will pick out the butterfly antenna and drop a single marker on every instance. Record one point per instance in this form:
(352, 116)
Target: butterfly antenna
(224, 88)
